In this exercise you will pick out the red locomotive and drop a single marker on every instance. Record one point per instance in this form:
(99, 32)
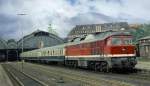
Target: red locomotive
(100, 51)
(103, 51)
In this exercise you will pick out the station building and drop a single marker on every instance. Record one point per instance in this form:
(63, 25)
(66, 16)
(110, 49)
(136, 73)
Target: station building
(144, 46)
(3, 48)
(82, 30)
(10, 50)
(39, 39)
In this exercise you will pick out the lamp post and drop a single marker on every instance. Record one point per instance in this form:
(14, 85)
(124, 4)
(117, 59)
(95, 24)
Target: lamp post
(22, 14)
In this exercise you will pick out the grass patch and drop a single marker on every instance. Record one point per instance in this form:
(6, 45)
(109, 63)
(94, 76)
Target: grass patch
(143, 59)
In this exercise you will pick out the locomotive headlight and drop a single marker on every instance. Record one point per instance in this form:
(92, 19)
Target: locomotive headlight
(123, 49)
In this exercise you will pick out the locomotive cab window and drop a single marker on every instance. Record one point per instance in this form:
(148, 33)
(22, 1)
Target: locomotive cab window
(116, 41)
(127, 41)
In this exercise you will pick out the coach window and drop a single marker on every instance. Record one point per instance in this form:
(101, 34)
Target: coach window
(57, 53)
(61, 52)
(48, 53)
(44, 53)
(53, 52)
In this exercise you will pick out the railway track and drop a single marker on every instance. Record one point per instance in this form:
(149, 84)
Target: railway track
(86, 77)
(76, 79)
(79, 77)
(20, 78)
(137, 79)
(49, 79)
(140, 74)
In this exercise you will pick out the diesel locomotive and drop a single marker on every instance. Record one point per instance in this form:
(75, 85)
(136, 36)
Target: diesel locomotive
(100, 51)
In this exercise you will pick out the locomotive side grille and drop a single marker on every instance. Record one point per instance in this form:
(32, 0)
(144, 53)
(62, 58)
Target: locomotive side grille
(122, 50)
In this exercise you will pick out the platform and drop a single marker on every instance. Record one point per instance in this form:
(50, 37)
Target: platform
(4, 79)
(143, 65)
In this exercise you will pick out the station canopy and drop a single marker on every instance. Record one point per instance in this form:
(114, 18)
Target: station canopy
(39, 39)
(3, 44)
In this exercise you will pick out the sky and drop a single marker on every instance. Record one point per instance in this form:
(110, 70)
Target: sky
(66, 14)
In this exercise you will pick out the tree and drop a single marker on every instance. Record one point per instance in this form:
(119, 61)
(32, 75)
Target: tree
(142, 31)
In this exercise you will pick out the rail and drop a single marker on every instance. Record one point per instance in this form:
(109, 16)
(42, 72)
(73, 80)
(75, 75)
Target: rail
(21, 78)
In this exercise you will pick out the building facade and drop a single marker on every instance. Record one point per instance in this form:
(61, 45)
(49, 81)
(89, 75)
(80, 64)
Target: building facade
(144, 47)
(81, 30)
(3, 48)
(12, 52)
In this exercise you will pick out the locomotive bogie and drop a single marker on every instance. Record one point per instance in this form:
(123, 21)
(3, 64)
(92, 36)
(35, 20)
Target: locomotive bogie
(124, 62)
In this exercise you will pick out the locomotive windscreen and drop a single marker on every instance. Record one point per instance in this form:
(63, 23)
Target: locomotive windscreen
(116, 41)
(127, 41)
(119, 40)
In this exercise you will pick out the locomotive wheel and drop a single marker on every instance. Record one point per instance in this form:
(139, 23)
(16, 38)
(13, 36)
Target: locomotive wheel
(104, 67)
(71, 63)
(91, 65)
(75, 64)
(97, 66)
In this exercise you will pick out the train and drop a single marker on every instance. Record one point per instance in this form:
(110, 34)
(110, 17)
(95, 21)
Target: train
(100, 51)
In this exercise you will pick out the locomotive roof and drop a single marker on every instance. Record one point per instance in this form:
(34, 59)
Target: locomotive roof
(99, 36)
(91, 38)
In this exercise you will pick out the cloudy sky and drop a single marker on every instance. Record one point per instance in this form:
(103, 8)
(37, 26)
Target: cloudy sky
(65, 14)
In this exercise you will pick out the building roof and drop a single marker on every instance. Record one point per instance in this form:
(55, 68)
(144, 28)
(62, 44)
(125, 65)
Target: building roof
(39, 31)
(146, 37)
(80, 30)
(39, 39)
(11, 44)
